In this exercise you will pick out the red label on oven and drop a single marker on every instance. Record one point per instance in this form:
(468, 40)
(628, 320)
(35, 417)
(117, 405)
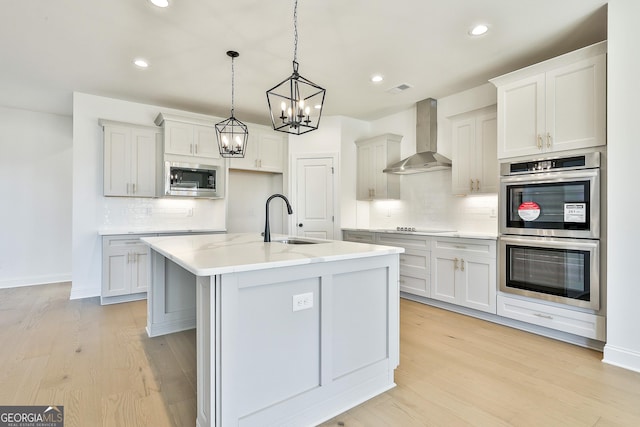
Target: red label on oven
(529, 211)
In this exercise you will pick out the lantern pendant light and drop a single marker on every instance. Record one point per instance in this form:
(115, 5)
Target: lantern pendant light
(295, 103)
(232, 134)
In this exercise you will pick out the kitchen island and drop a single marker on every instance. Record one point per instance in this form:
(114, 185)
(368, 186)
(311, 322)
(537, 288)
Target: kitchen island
(287, 334)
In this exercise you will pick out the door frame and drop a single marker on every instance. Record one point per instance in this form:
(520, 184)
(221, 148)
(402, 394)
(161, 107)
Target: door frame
(293, 182)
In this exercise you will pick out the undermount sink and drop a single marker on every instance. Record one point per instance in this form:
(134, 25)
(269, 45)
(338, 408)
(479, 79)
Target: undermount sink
(295, 241)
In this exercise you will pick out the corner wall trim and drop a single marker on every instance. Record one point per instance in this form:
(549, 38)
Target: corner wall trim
(621, 357)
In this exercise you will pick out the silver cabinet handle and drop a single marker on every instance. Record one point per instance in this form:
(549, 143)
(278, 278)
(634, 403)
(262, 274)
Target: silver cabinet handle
(127, 188)
(190, 148)
(544, 316)
(455, 263)
(134, 188)
(548, 139)
(539, 142)
(196, 145)
(462, 264)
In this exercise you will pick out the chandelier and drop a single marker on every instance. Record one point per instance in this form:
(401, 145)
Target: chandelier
(295, 103)
(232, 134)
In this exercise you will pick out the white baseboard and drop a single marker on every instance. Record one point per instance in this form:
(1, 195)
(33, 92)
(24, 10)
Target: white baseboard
(34, 280)
(621, 357)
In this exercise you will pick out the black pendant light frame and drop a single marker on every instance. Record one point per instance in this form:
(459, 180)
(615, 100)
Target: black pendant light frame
(231, 133)
(292, 100)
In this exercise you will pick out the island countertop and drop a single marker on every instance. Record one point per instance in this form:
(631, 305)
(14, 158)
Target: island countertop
(212, 254)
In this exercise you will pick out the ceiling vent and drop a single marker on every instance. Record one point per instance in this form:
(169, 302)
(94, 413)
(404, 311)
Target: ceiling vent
(400, 88)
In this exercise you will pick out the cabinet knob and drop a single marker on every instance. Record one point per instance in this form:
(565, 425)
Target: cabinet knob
(300, 225)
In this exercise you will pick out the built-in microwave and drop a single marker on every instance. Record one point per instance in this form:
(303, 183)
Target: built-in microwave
(193, 180)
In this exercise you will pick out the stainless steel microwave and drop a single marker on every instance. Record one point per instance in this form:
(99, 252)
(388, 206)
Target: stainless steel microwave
(193, 180)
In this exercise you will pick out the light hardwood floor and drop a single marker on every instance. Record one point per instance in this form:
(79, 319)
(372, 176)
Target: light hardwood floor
(454, 370)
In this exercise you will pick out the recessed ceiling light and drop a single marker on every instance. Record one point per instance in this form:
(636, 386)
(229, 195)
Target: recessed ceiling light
(141, 63)
(376, 78)
(479, 30)
(160, 3)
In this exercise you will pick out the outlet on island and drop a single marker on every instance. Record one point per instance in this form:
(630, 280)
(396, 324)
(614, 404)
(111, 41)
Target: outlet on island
(302, 301)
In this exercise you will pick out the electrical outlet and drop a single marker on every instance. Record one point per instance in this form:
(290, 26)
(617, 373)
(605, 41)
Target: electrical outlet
(302, 301)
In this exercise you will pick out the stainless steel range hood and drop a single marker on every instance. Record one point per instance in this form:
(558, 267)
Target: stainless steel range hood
(426, 158)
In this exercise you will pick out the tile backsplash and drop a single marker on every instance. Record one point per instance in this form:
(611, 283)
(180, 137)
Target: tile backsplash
(164, 213)
(427, 202)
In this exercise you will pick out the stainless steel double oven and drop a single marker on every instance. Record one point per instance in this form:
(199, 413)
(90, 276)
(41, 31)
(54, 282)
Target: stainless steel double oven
(550, 229)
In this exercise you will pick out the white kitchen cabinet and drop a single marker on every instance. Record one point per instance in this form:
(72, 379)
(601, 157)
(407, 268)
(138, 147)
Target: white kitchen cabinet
(264, 153)
(415, 262)
(130, 159)
(474, 167)
(557, 105)
(189, 137)
(463, 272)
(373, 156)
(125, 269)
(572, 321)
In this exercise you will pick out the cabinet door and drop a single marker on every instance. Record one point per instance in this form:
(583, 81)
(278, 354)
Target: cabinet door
(250, 159)
(143, 163)
(205, 143)
(521, 114)
(117, 161)
(486, 167)
(178, 138)
(117, 273)
(576, 105)
(139, 269)
(443, 277)
(365, 166)
(270, 152)
(478, 283)
(463, 169)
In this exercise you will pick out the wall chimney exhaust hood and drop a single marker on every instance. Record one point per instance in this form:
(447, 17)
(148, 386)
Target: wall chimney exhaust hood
(426, 158)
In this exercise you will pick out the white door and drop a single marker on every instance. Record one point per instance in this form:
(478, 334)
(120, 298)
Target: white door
(314, 210)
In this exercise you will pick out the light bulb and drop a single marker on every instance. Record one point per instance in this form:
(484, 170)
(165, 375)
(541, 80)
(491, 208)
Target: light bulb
(239, 141)
(283, 106)
(307, 110)
(225, 140)
(289, 112)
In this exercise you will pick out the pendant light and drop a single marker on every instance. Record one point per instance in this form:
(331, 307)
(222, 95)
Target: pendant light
(232, 134)
(296, 103)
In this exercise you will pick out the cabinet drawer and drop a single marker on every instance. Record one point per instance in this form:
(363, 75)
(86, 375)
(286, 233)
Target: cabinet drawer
(574, 322)
(415, 263)
(466, 247)
(404, 241)
(120, 242)
(414, 285)
(358, 236)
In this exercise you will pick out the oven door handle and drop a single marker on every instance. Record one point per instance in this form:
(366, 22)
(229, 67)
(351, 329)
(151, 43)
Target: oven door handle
(542, 177)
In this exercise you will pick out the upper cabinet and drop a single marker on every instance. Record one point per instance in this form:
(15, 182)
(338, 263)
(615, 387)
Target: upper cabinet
(475, 166)
(265, 151)
(188, 137)
(374, 155)
(131, 153)
(557, 105)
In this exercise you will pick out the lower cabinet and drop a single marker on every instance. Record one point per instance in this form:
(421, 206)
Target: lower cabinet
(464, 273)
(574, 322)
(415, 262)
(125, 269)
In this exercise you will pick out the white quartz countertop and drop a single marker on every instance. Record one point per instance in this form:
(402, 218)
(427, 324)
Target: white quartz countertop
(435, 233)
(115, 231)
(211, 254)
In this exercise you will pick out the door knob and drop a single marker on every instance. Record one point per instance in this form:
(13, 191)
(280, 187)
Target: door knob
(300, 225)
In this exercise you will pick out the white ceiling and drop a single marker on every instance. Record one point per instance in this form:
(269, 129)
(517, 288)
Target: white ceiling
(48, 49)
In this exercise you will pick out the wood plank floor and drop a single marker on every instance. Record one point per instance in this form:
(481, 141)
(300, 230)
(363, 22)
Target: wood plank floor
(454, 370)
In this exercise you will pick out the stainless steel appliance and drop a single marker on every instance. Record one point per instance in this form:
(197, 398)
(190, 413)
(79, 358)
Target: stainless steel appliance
(193, 180)
(557, 197)
(554, 269)
(550, 229)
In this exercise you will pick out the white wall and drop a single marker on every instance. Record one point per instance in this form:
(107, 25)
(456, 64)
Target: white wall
(35, 189)
(623, 148)
(246, 198)
(92, 211)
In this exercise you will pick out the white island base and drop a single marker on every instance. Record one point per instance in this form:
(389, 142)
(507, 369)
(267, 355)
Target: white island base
(261, 360)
